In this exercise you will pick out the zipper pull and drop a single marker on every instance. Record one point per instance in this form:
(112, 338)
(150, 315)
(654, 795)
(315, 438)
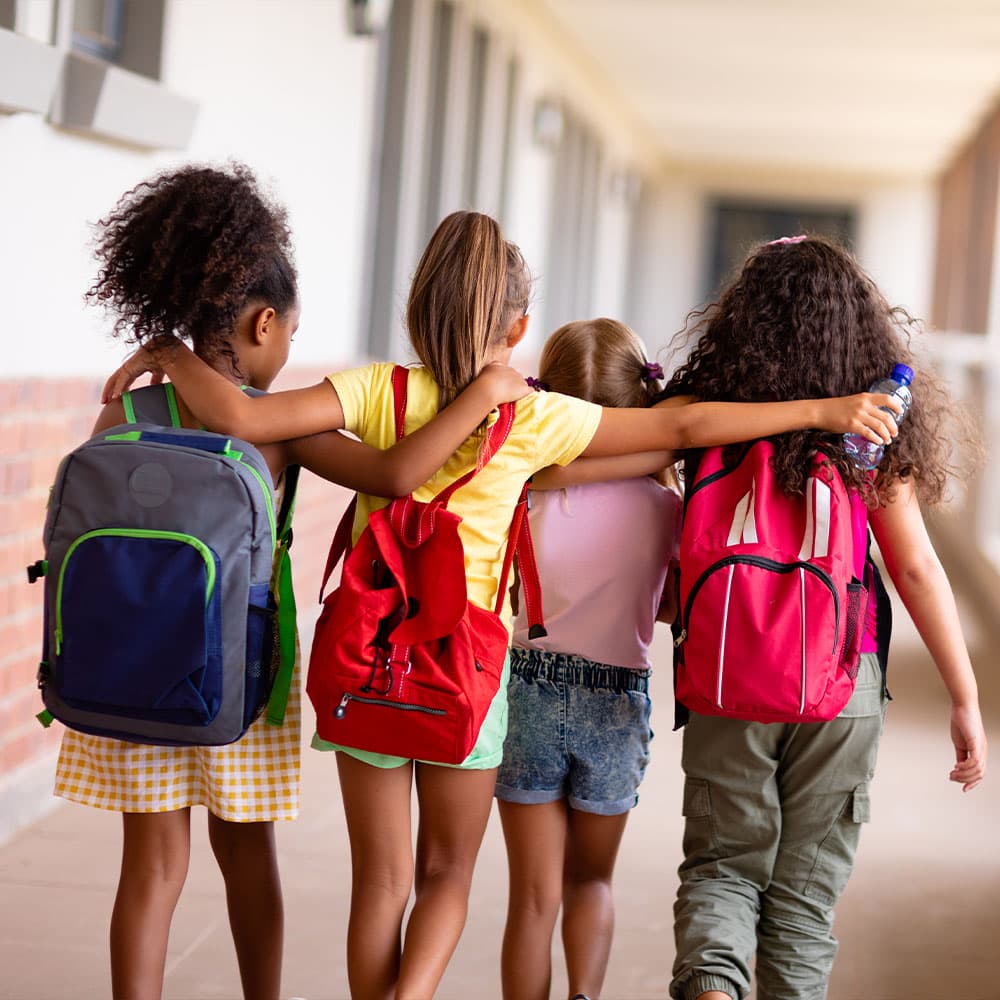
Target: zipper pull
(680, 639)
(341, 709)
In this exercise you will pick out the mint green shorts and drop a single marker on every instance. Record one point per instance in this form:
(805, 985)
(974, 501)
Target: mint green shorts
(487, 752)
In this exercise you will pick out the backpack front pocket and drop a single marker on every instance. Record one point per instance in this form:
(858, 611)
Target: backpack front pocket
(139, 626)
(764, 635)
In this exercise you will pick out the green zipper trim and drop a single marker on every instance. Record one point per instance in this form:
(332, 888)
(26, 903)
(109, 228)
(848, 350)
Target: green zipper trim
(196, 543)
(128, 407)
(125, 436)
(175, 417)
(237, 456)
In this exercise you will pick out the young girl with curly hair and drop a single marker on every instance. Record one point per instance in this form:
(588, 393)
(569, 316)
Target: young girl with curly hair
(203, 254)
(772, 810)
(467, 307)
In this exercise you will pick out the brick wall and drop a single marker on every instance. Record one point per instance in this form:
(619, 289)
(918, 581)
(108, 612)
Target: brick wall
(40, 420)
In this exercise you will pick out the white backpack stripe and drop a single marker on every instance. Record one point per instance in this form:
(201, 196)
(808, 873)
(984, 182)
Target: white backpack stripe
(750, 525)
(744, 524)
(805, 550)
(821, 544)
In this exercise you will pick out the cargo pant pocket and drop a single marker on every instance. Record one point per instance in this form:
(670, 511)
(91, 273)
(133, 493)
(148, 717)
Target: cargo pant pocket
(835, 857)
(700, 842)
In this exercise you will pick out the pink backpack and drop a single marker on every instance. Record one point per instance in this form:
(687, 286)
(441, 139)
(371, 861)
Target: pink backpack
(772, 615)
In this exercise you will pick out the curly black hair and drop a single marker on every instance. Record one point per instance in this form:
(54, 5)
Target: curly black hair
(802, 320)
(183, 253)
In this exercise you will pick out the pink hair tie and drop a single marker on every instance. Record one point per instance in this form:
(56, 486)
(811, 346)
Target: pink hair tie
(537, 384)
(787, 239)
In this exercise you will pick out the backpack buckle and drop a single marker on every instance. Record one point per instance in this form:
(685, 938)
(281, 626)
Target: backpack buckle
(36, 570)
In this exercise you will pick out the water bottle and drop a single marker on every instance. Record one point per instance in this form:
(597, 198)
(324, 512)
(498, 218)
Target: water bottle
(866, 453)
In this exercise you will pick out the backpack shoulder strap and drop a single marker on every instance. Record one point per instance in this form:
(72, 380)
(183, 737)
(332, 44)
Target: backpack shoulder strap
(152, 404)
(519, 544)
(341, 543)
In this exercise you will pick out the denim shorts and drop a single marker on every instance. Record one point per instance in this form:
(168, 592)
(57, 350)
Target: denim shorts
(577, 730)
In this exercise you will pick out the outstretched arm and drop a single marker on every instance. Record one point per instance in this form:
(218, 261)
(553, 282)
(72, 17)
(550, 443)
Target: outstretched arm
(679, 423)
(601, 470)
(917, 574)
(294, 413)
(220, 404)
(409, 463)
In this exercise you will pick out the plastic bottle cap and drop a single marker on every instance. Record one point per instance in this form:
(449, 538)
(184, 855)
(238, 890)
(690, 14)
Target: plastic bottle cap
(902, 374)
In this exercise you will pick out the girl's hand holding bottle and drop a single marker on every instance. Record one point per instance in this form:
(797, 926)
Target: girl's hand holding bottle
(863, 413)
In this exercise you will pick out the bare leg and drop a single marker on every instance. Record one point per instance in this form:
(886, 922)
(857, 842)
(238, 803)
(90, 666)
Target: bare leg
(248, 862)
(535, 836)
(454, 809)
(377, 808)
(155, 852)
(588, 907)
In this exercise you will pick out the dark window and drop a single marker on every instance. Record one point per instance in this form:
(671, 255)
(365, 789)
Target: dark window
(99, 28)
(737, 226)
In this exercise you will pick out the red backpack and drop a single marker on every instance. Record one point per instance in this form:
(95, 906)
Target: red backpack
(772, 615)
(402, 663)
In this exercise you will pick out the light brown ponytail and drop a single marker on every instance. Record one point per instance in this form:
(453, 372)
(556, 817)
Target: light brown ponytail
(469, 287)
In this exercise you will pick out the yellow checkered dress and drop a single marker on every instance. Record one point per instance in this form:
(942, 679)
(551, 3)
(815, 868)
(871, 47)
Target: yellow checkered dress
(254, 779)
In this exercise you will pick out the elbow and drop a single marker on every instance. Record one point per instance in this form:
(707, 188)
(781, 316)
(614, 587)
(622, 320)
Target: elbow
(235, 420)
(396, 483)
(918, 575)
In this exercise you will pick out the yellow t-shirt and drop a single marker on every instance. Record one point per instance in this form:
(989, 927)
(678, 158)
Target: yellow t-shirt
(549, 429)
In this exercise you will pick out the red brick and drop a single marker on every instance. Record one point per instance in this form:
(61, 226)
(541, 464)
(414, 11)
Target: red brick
(20, 709)
(28, 597)
(43, 470)
(10, 556)
(26, 745)
(27, 394)
(8, 396)
(19, 674)
(15, 477)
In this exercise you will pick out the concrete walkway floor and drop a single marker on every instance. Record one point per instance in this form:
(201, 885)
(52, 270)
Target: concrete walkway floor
(919, 921)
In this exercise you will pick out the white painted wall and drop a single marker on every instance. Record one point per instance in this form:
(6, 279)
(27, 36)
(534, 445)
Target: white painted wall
(895, 240)
(285, 88)
(282, 87)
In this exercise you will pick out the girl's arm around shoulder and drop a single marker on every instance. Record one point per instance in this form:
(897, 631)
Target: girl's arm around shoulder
(679, 423)
(923, 587)
(409, 463)
(220, 405)
(601, 470)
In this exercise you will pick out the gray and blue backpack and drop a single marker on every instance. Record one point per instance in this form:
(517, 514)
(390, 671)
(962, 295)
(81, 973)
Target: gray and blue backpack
(169, 613)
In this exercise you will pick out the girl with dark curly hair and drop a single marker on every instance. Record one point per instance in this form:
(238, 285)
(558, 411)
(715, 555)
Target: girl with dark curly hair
(203, 254)
(772, 810)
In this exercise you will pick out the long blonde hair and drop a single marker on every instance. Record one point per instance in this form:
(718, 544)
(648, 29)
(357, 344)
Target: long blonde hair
(469, 287)
(600, 360)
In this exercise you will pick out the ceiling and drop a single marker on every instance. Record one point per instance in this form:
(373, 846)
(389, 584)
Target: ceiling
(886, 87)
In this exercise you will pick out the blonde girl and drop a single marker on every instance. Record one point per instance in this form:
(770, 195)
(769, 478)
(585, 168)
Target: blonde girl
(578, 737)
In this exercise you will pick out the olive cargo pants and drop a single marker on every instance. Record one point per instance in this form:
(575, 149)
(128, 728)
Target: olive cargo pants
(773, 815)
